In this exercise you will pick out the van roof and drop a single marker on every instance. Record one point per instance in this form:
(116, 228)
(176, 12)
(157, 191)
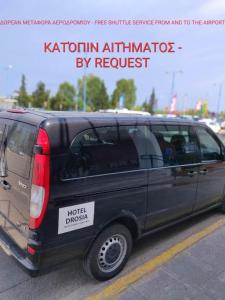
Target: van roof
(37, 116)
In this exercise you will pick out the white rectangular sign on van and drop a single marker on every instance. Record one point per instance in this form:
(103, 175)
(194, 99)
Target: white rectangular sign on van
(76, 217)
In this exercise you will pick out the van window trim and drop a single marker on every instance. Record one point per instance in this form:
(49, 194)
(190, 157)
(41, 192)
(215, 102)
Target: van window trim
(137, 170)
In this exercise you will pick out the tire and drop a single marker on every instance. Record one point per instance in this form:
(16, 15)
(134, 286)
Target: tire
(109, 253)
(34, 273)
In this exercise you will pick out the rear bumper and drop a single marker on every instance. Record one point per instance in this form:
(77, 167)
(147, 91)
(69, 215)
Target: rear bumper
(43, 258)
(11, 248)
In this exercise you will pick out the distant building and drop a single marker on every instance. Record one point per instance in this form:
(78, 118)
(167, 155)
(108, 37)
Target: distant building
(7, 103)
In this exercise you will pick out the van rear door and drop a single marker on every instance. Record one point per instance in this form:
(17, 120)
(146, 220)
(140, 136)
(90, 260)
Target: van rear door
(16, 152)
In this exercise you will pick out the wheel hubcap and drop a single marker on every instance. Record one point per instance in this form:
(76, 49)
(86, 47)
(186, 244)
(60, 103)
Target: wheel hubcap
(112, 253)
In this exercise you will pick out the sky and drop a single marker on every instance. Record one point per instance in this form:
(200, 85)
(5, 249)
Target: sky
(201, 60)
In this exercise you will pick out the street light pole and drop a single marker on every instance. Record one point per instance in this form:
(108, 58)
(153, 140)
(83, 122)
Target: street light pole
(219, 98)
(172, 84)
(84, 88)
(185, 103)
(84, 92)
(174, 73)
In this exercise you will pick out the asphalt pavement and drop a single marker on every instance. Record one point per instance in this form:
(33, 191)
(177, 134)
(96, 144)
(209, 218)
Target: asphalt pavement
(197, 272)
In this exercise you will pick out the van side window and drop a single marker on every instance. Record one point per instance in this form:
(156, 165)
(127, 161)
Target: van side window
(178, 144)
(106, 150)
(210, 148)
(153, 150)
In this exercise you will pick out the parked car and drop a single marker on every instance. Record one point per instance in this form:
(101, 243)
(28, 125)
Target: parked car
(91, 184)
(222, 124)
(222, 137)
(213, 124)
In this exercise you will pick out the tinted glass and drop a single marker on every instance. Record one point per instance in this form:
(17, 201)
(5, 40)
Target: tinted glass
(106, 150)
(20, 142)
(177, 145)
(1, 132)
(210, 148)
(2, 164)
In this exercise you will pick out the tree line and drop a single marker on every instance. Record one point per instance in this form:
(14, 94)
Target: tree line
(91, 87)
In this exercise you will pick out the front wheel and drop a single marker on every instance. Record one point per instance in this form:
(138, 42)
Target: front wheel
(109, 253)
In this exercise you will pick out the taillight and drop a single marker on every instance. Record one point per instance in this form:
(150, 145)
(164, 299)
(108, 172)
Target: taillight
(40, 181)
(31, 250)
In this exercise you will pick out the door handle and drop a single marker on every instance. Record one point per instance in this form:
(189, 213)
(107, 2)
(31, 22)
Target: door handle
(192, 173)
(5, 185)
(203, 172)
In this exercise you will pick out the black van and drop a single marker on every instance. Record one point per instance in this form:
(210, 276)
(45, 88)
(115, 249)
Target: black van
(90, 184)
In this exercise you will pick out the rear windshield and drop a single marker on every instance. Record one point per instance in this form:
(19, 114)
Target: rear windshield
(20, 142)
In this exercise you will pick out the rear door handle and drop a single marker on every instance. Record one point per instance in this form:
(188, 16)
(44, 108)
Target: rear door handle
(192, 173)
(203, 172)
(5, 185)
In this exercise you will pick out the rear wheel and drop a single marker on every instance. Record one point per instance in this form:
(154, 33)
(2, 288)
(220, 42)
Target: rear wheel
(109, 253)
